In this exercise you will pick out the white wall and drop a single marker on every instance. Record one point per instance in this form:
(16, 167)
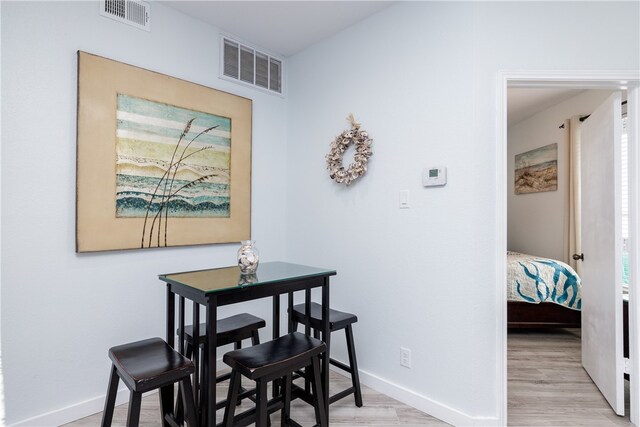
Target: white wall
(62, 311)
(421, 77)
(1, 374)
(536, 221)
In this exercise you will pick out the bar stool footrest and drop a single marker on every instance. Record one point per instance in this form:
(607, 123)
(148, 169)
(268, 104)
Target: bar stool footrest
(244, 394)
(298, 374)
(223, 377)
(340, 365)
(247, 417)
(299, 393)
(292, 423)
(171, 421)
(341, 395)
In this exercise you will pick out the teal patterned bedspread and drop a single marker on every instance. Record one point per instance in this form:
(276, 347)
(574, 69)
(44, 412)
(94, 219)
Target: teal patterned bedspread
(535, 280)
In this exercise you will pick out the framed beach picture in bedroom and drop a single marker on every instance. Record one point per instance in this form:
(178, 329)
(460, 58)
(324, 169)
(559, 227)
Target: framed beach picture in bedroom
(537, 170)
(160, 161)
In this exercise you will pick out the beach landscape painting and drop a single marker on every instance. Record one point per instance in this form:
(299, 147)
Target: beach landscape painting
(537, 170)
(170, 162)
(161, 162)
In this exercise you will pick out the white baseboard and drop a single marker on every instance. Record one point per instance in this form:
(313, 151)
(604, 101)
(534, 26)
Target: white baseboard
(402, 394)
(73, 412)
(424, 403)
(84, 409)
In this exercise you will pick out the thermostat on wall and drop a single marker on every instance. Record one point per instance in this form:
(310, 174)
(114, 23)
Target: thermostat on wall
(434, 176)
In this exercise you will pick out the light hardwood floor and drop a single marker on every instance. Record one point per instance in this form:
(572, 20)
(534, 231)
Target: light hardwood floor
(547, 387)
(378, 410)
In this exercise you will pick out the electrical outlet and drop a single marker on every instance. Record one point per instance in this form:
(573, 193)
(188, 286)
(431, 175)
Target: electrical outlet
(405, 357)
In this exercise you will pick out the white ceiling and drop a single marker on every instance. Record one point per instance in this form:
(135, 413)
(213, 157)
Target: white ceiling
(281, 27)
(287, 27)
(523, 103)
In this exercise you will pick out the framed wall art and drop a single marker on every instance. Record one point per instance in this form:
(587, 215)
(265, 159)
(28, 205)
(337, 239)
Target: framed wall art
(160, 161)
(536, 171)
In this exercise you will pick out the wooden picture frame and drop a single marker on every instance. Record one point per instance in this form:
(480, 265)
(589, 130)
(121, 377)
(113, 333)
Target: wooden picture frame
(536, 171)
(160, 161)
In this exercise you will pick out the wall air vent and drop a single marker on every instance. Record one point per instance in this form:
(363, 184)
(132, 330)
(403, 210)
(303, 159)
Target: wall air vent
(249, 66)
(136, 13)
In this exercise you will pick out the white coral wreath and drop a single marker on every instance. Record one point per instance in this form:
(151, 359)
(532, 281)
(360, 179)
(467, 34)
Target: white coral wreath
(362, 142)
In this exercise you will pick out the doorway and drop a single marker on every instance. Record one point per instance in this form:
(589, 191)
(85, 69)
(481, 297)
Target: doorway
(607, 81)
(545, 339)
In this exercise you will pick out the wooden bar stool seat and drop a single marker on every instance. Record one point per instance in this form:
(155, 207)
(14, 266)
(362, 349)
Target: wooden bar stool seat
(277, 359)
(229, 330)
(233, 329)
(144, 366)
(337, 320)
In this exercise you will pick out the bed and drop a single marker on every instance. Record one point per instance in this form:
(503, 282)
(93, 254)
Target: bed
(542, 293)
(546, 293)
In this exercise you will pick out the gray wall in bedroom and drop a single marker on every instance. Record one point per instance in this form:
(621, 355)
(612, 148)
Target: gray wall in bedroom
(536, 221)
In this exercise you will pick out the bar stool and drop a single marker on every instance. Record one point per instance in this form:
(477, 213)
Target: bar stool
(277, 359)
(229, 330)
(144, 366)
(233, 329)
(337, 320)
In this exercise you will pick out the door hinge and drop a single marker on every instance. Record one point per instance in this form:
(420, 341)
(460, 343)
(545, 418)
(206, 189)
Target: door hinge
(627, 366)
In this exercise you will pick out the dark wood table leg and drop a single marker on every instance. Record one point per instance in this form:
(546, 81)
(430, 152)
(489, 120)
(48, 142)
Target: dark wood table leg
(276, 316)
(171, 321)
(307, 310)
(196, 353)
(326, 337)
(181, 302)
(171, 316)
(275, 390)
(290, 312)
(307, 331)
(210, 363)
(179, 409)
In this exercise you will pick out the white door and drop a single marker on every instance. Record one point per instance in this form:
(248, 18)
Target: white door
(600, 153)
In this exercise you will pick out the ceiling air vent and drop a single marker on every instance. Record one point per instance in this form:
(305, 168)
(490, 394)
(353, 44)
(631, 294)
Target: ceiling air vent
(250, 66)
(132, 12)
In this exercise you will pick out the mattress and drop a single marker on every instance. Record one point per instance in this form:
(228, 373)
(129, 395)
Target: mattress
(535, 279)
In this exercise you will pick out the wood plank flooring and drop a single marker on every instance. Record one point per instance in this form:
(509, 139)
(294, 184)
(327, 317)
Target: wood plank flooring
(547, 387)
(378, 410)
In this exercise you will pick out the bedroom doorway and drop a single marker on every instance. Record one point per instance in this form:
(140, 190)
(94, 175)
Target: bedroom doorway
(586, 89)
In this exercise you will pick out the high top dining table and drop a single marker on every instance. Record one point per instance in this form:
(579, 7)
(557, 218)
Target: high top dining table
(223, 286)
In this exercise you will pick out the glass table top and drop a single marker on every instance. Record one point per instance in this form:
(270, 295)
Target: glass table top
(219, 279)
